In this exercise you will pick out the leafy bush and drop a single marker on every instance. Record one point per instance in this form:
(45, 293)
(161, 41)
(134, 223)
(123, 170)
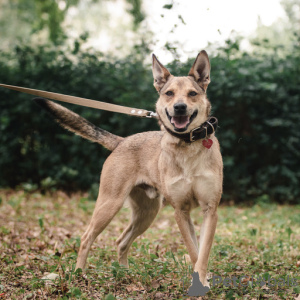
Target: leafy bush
(33, 148)
(255, 97)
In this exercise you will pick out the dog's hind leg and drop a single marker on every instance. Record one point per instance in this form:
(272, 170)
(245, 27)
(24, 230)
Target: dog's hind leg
(106, 209)
(114, 190)
(144, 211)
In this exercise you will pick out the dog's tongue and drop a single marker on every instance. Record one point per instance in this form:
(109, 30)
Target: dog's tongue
(180, 122)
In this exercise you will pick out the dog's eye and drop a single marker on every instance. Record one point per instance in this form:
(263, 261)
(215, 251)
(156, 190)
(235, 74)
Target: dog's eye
(169, 93)
(192, 93)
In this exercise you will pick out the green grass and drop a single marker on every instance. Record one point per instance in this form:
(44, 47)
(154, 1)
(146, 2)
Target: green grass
(40, 234)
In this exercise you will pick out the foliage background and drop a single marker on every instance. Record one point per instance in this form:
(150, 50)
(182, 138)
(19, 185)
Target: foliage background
(255, 96)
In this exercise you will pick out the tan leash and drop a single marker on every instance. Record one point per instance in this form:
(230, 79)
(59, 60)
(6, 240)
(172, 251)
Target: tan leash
(85, 102)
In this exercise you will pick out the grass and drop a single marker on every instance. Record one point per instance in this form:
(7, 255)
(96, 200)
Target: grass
(40, 234)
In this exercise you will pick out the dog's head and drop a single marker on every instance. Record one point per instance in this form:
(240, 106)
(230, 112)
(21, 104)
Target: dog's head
(182, 104)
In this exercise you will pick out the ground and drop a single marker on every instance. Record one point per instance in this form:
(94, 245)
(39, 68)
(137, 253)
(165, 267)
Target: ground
(40, 235)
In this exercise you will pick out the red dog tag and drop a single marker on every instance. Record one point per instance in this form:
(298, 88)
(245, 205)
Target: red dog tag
(207, 143)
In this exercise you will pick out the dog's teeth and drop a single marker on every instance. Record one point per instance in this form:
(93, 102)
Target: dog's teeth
(180, 122)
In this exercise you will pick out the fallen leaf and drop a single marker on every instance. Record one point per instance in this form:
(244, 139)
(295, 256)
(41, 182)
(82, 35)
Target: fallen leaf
(135, 287)
(246, 279)
(155, 284)
(163, 225)
(41, 245)
(49, 278)
(159, 295)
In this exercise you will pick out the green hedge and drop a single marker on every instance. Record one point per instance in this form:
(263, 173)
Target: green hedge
(255, 98)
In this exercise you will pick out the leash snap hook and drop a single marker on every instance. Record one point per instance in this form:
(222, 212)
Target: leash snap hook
(151, 114)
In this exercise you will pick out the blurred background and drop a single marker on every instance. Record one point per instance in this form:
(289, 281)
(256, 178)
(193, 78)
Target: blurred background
(101, 50)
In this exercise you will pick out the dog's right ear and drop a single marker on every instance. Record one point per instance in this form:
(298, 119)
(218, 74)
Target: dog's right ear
(160, 73)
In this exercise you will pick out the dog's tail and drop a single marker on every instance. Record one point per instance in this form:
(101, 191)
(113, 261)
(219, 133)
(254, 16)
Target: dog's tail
(80, 126)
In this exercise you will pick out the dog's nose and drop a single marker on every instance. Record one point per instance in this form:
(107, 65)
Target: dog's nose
(180, 108)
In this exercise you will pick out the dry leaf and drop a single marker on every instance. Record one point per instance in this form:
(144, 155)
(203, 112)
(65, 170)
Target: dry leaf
(155, 284)
(49, 278)
(41, 245)
(163, 225)
(159, 295)
(134, 287)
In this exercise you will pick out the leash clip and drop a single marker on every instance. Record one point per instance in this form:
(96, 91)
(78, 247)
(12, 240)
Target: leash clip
(151, 114)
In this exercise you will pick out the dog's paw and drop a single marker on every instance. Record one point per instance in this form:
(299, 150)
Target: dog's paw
(206, 283)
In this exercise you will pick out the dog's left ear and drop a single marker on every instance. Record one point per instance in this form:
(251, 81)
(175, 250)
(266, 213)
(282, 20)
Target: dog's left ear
(160, 73)
(201, 70)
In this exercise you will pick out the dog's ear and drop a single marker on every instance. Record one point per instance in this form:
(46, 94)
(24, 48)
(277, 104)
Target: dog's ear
(201, 70)
(160, 73)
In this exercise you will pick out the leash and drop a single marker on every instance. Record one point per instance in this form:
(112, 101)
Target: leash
(85, 102)
(201, 132)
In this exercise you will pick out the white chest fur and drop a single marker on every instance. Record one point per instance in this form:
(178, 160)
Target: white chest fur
(190, 173)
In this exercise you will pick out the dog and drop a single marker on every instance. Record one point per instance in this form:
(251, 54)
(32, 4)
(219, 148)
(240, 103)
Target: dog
(181, 164)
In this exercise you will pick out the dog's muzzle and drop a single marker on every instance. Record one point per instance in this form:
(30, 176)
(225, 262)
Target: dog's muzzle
(181, 120)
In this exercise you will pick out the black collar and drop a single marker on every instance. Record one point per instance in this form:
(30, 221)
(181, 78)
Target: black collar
(198, 133)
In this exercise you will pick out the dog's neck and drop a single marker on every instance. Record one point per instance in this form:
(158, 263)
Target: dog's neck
(199, 133)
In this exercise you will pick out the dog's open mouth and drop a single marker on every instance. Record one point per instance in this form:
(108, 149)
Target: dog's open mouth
(181, 123)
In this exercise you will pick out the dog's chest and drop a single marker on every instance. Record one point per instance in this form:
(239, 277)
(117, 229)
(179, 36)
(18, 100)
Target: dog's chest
(186, 177)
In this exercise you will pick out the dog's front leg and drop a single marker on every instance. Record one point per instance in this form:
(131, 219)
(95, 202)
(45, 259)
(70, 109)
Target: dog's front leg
(186, 228)
(208, 230)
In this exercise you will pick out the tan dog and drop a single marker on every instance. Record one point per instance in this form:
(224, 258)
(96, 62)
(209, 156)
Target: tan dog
(172, 164)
